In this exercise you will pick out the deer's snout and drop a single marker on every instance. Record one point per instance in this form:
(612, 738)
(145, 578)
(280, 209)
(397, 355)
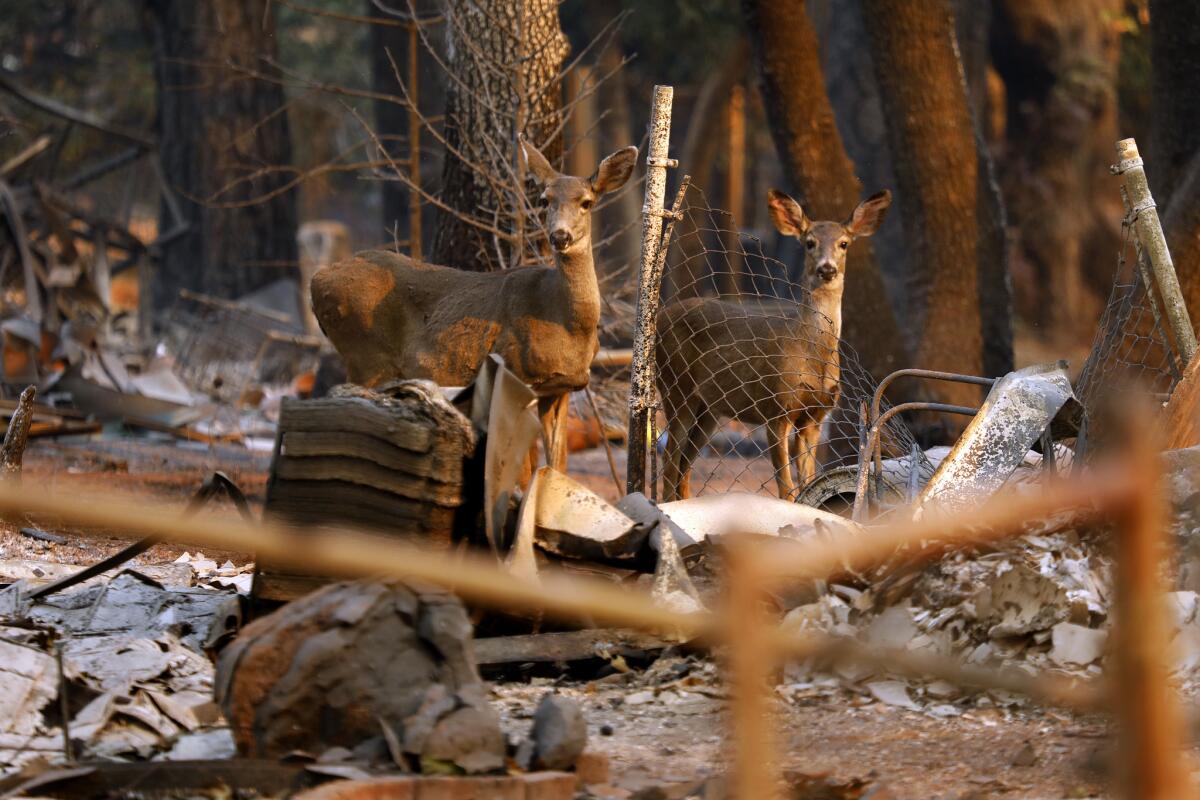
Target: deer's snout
(826, 271)
(560, 239)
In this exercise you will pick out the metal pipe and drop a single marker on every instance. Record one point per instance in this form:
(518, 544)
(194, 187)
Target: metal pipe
(641, 384)
(864, 458)
(931, 374)
(1150, 233)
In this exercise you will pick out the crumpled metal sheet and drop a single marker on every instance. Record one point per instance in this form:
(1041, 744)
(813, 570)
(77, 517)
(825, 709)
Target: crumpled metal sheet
(504, 407)
(1018, 408)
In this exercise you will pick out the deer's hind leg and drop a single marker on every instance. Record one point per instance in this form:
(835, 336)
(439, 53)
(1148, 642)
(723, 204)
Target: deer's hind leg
(779, 432)
(680, 421)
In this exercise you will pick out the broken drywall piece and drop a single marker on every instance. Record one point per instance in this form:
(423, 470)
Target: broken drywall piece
(1021, 600)
(892, 693)
(1076, 645)
(28, 682)
(743, 512)
(673, 587)
(892, 629)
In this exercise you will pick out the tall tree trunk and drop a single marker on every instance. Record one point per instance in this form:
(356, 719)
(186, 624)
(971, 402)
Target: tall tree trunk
(933, 144)
(505, 60)
(217, 125)
(1175, 92)
(1174, 162)
(815, 161)
(1059, 63)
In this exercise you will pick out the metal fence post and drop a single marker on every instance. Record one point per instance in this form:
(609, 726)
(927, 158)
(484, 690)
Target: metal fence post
(1154, 242)
(642, 370)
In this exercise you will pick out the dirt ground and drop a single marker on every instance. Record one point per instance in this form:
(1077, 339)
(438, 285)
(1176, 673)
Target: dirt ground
(655, 732)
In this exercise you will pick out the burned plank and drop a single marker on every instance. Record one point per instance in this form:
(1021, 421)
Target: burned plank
(439, 464)
(364, 473)
(566, 646)
(351, 415)
(340, 502)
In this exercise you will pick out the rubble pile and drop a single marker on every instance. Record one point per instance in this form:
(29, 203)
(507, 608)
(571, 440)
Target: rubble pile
(287, 684)
(124, 657)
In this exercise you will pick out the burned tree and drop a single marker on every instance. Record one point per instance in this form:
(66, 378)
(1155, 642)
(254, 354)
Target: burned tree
(807, 139)
(504, 79)
(1175, 35)
(940, 181)
(225, 147)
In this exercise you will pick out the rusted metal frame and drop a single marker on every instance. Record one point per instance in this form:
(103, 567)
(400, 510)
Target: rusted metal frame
(642, 370)
(1149, 231)
(1142, 265)
(1147, 706)
(873, 443)
(912, 372)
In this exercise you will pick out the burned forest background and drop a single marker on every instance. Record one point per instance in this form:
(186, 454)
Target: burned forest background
(234, 123)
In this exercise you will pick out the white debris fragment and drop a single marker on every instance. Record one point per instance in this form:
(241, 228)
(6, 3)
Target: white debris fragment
(1075, 644)
(892, 693)
(892, 629)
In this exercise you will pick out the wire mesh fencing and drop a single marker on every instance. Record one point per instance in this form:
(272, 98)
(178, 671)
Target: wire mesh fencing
(757, 392)
(222, 348)
(1131, 351)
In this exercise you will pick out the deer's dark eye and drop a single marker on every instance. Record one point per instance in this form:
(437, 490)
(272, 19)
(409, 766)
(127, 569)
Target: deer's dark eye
(843, 245)
(586, 205)
(810, 244)
(543, 201)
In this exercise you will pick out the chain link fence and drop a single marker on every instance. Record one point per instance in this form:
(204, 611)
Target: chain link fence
(1132, 350)
(756, 392)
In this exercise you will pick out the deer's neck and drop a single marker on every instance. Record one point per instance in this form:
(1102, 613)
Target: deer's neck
(577, 273)
(827, 300)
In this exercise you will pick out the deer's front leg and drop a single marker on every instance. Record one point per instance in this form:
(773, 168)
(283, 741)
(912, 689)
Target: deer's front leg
(553, 411)
(778, 435)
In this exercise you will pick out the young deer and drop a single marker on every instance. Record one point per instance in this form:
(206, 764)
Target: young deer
(772, 363)
(392, 317)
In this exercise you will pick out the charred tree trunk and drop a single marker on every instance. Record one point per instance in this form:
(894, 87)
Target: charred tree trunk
(218, 125)
(1175, 92)
(1174, 163)
(505, 62)
(937, 167)
(1058, 62)
(806, 137)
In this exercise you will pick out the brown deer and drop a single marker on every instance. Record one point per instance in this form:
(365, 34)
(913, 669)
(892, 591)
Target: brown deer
(763, 362)
(392, 317)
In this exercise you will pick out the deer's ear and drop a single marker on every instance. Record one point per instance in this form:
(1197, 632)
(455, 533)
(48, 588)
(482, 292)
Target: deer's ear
(867, 217)
(539, 167)
(614, 170)
(786, 213)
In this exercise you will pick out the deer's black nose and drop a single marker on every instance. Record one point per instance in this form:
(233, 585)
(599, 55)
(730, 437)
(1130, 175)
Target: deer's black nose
(826, 272)
(560, 239)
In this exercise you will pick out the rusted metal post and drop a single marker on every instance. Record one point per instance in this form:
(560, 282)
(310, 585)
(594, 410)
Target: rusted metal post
(752, 660)
(414, 145)
(1153, 765)
(1154, 242)
(642, 370)
(735, 187)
